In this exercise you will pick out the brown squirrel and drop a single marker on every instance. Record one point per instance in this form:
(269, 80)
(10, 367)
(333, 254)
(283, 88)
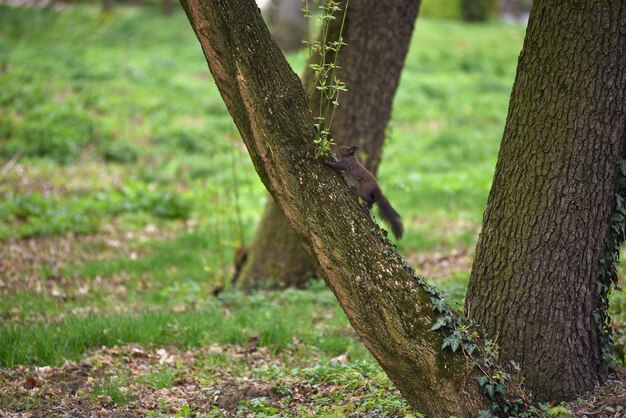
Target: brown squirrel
(367, 188)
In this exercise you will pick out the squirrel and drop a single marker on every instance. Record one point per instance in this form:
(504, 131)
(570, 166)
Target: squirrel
(367, 187)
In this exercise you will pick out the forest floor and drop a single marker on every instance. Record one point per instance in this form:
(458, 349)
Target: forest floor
(132, 381)
(213, 379)
(227, 380)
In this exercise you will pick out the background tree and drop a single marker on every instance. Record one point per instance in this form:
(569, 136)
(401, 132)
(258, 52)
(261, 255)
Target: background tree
(391, 310)
(287, 23)
(547, 219)
(476, 10)
(514, 10)
(377, 35)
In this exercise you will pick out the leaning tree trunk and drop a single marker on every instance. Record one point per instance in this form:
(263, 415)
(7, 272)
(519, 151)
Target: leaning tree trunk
(389, 308)
(533, 283)
(377, 35)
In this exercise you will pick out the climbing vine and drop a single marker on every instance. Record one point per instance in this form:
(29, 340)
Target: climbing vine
(466, 337)
(607, 269)
(508, 397)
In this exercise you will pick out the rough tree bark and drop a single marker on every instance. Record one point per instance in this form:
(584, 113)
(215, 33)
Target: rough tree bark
(378, 35)
(386, 305)
(533, 283)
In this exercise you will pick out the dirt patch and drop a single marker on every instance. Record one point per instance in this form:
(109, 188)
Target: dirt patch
(220, 380)
(608, 401)
(120, 382)
(440, 265)
(231, 395)
(35, 264)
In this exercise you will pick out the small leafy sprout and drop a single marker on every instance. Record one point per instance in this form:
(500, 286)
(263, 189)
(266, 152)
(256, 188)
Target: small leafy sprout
(324, 72)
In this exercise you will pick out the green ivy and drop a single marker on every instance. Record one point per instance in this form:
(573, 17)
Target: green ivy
(468, 338)
(607, 269)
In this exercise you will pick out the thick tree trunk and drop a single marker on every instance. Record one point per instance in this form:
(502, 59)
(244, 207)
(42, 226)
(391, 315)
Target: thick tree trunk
(275, 258)
(287, 23)
(387, 306)
(377, 35)
(533, 283)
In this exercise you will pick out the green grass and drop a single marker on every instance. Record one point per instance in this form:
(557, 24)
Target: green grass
(115, 389)
(275, 320)
(161, 378)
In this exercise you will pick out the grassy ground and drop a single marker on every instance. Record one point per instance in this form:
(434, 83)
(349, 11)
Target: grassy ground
(125, 192)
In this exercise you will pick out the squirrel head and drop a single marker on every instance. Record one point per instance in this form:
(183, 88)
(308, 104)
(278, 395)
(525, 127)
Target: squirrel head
(347, 151)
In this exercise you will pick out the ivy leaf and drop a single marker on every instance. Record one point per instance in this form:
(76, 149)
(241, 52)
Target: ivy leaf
(440, 322)
(490, 391)
(501, 389)
(622, 166)
(485, 413)
(438, 305)
(482, 380)
(470, 348)
(453, 341)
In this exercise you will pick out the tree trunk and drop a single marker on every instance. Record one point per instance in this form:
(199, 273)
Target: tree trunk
(387, 305)
(533, 283)
(107, 5)
(168, 7)
(275, 258)
(287, 23)
(377, 35)
(476, 10)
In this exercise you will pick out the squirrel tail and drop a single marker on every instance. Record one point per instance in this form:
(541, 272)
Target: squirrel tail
(389, 214)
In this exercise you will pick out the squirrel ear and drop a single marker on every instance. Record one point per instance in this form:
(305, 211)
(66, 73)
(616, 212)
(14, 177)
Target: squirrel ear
(354, 149)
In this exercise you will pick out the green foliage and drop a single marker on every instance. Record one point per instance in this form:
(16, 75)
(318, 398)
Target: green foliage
(37, 215)
(477, 10)
(7, 128)
(159, 379)
(53, 131)
(257, 406)
(189, 142)
(607, 268)
(121, 151)
(559, 411)
(441, 9)
(116, 389)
